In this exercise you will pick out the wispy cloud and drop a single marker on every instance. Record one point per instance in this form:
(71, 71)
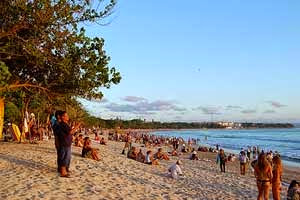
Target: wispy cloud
(248, 111)
(276, 104)
(209, 110)
(133, 99)
(270, 111)
(145, 107)
(231, 107)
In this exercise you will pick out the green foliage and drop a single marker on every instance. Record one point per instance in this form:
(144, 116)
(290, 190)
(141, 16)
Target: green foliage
(12, 113)
(4, 74)
(46, 59)
(41, 45)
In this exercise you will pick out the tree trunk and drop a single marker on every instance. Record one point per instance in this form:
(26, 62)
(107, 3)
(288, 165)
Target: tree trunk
(1, 116)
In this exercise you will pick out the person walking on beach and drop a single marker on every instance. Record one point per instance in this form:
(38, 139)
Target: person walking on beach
(65, 143)
(276, 180)
(263, 174)
(221, 159)
(243, 162)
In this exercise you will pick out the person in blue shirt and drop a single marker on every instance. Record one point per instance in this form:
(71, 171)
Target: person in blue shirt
(65, 137)
(55, 120)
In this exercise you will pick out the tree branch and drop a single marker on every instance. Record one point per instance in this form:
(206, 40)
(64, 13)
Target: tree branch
(16, 86)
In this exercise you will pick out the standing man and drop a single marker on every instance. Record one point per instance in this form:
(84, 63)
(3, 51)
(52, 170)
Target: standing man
(65, 142)
(221, 159)
(55, 121)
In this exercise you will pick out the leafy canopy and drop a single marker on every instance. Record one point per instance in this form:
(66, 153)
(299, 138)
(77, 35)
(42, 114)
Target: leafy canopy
(42, 47)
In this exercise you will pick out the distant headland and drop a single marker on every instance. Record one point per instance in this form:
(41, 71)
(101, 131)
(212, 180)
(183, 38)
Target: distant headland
(143, 124)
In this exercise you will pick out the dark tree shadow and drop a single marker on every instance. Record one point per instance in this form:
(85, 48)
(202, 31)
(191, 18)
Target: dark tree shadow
(27, 163)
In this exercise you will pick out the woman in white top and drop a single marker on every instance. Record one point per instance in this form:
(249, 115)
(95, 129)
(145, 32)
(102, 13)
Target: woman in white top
(175, 170)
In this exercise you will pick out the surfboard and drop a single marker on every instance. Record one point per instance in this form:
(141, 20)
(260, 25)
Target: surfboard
(1, 117)
(17, 133)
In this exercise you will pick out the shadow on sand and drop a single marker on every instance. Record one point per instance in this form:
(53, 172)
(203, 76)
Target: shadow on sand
(27, 163)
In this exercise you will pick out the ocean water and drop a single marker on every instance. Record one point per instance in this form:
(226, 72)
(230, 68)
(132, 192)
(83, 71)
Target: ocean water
(285, 141)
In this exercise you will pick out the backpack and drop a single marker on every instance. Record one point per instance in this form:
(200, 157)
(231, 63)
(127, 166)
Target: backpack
(243, 159)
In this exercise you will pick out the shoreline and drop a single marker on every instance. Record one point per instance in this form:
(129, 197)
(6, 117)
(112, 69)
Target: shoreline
(288, 162)
(196, 129)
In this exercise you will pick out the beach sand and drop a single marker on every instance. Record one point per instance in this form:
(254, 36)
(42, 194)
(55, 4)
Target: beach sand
(28, 171)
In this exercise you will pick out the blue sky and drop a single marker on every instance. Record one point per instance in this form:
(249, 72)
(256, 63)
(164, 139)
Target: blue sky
(200, 60)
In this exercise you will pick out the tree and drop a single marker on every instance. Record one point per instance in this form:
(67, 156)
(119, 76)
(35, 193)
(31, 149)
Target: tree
(45, 55)
(42, 47)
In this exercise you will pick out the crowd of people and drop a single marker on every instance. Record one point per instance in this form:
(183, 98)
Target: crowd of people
(267, 166)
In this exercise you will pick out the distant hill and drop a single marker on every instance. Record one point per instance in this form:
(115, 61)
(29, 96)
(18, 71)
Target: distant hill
(297, 125)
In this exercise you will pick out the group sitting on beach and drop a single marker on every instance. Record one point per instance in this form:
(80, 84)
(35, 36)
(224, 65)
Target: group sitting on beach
(138, 155)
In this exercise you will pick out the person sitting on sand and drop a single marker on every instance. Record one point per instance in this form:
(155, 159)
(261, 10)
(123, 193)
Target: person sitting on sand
(79, 141)
(175, 170)
(231, 158)
(132, 153)
(293, 192)
(140, 157)
(88, 151)
(174, 153)
(149, 159)
(263, 174)
(194, 156)
(160, 155)
(102, 141)
(276, 180)
(183, 150)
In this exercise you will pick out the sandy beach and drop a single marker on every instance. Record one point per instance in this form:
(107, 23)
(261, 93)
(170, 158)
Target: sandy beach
(28, 171)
